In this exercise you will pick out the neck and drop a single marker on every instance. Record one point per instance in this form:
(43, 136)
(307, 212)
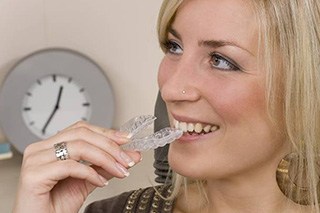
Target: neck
(245, 196)
(249, 194)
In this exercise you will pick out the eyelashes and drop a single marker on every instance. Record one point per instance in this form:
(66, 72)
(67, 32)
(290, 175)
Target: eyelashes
(217, 60)
(223, 63)
(172, 47)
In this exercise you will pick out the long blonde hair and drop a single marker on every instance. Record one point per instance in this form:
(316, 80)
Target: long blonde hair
(289, 32)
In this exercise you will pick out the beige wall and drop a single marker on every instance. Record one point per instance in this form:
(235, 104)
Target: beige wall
(120, 35)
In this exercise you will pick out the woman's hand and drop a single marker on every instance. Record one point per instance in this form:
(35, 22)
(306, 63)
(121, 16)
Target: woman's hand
(50, 185)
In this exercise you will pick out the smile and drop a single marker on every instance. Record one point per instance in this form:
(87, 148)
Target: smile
(195, 128)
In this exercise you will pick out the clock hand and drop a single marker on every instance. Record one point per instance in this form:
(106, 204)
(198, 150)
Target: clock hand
(56, 107)
(59, 97)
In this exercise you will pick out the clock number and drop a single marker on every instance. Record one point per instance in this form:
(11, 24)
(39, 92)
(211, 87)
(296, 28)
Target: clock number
(27, 109)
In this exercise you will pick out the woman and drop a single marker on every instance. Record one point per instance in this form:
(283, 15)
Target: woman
(241, 78)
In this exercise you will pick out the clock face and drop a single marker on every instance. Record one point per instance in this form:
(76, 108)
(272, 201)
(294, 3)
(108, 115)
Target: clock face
(53, 103)
(50, 89)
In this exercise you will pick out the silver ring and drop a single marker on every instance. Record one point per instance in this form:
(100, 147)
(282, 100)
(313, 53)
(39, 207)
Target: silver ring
(61, 151)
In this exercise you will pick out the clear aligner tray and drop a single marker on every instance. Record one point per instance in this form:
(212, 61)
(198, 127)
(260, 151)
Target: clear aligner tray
(153, 141)
(137, 124)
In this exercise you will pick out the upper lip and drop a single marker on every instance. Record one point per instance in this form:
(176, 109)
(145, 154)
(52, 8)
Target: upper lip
(186, 119)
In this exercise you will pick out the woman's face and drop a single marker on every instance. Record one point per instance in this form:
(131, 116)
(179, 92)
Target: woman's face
(215, 89)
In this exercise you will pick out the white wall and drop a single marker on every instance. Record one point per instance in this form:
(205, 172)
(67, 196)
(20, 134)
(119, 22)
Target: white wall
(120, 35)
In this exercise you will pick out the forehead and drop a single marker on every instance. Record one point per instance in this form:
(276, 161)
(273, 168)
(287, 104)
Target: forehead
(231, 20)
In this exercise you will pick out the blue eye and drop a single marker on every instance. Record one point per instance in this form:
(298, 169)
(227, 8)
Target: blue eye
(173, 47)
(219, 62)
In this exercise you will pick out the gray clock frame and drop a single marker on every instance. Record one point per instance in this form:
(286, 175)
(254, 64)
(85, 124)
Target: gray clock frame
(60, 61)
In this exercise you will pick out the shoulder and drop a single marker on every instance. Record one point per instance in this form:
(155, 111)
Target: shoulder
(137, 201)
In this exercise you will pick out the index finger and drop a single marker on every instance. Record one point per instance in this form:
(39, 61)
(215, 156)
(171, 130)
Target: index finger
(115, 135)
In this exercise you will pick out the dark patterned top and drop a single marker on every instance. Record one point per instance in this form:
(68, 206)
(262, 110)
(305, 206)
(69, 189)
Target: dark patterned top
(138, 201)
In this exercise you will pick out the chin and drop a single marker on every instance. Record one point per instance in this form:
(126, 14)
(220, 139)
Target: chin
(196, 164)
(185, 165)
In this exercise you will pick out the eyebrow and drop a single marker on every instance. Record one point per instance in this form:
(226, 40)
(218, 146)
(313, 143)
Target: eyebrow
(174, 33)
(211, 43)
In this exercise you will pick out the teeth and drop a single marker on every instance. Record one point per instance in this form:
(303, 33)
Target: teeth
(214, 128)
(176, 124)
(190, 127)
(207, 128)
(195, 127)
(183, 126)
(198, 128)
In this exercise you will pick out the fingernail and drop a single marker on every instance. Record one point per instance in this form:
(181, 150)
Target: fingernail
(103, 180)
(121, 134)
(129, 135)
(127, 159)
(123, 170)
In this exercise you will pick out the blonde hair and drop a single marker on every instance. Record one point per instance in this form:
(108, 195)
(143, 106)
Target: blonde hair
(289, 40)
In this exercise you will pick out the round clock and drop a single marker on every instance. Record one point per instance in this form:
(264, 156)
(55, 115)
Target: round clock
(49, 90)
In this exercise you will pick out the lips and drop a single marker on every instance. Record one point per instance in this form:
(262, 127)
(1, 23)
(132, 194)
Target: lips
(195, 128)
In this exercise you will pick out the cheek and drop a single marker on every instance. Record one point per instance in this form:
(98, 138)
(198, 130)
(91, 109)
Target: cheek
(162, 73)
(238, 101)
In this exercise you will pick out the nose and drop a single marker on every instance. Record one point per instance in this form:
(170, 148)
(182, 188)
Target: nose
(177, 81)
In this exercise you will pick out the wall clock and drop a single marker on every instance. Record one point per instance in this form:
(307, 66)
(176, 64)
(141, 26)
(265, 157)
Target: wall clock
(49, 90)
